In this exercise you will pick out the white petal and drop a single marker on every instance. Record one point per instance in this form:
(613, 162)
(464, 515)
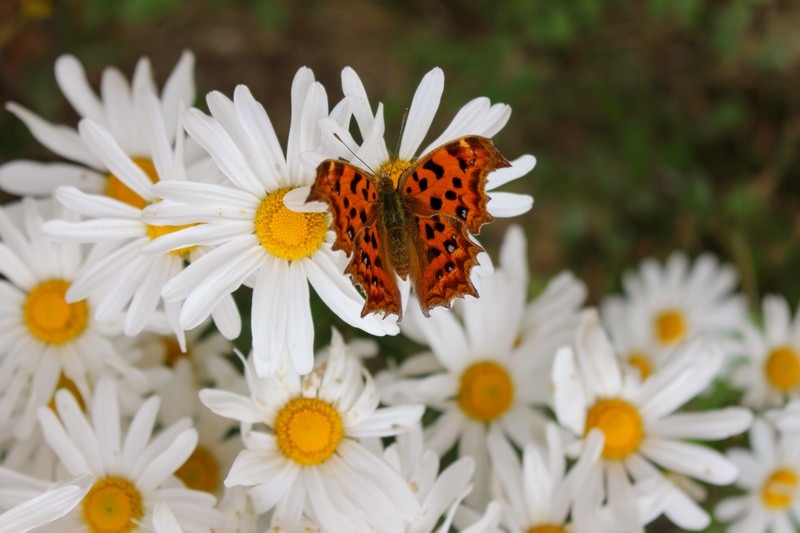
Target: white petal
(31, 178)
(71, 79)
(693, 460)
(420, 114)
(97, 230)
(61, 140)
(108, 150)
(708, 425)
(179, 90)
(509, 204)
(94, 205)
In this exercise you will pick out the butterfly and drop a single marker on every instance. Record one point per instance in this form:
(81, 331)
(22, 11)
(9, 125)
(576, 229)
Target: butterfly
(416, 228)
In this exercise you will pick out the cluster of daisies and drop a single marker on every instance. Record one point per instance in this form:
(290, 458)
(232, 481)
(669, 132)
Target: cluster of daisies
(124, 408)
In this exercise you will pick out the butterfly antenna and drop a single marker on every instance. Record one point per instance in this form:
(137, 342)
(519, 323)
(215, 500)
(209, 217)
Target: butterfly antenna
(354, 154)
(399, 139)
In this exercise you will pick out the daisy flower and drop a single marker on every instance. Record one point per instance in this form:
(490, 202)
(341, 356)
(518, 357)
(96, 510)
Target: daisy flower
(114, 110)
(41, 502)
(46, 341)
(664, 305)
(539, 493)
(303, 457)
(641, 430)
(128, 476)
(769, 475)
(261, 242)
(118, 274)
(770, 372)
(489, 371)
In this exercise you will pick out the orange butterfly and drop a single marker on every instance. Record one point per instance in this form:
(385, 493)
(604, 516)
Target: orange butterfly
(418, 228)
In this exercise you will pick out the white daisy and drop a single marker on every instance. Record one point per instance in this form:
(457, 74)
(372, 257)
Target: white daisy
(477, 117)
(114, 110)
(770, 371)
(539, 494)
(307, 459)
(665, 305)
(32, 503)
(128, 476)
(47, 342)
(118, 274)
(637, 418)
(495, 362)
(261, 241)
(770, 477)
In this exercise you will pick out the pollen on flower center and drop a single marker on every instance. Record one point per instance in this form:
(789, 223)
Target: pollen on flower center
(394, 169)
(288, 234)
(119, 191)
(620, 423)
(782, 368)
(112, 505)
(640, 361)
(779, 489)
(48, 315)
(670, 326)
(486, 391)
(200, 471)
(154, 232)
(308, 430)
(546, 528)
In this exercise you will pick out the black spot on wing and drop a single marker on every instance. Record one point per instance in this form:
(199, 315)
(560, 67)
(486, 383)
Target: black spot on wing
(363, 216)
(353, 212)
(433, 253)
(428, 232)
(461, 212)
(457, 183)
(356, 180)
(434, 167)
(450, 194)
(450, 247)
(436, 203)
(462, 164)
(423, 184)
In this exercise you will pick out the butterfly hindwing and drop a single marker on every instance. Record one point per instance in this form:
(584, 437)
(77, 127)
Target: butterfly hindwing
(451, 180)
(444, 256)
(373, 272)
(351, 194)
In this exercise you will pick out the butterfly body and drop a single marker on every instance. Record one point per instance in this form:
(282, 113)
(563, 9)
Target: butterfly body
(418, 228)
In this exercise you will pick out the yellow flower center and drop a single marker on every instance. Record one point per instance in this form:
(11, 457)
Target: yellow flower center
(394, 169)
(172, 352)
(620, 423)
(486, 391)
(308, 430)
(779, 489)
(546, 528)
(200, 471)
(112, 505)
(642, 362)
(671, 326)
(119, 191)
(154, 232)
(48, 315)
(65, 383)
(288, 234)
(782, 368)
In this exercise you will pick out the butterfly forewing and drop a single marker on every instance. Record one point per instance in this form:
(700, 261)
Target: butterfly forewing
(451, 180)
(350, 193)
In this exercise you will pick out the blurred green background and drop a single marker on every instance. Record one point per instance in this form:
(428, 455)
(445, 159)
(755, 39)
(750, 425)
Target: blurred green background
(658, 125)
